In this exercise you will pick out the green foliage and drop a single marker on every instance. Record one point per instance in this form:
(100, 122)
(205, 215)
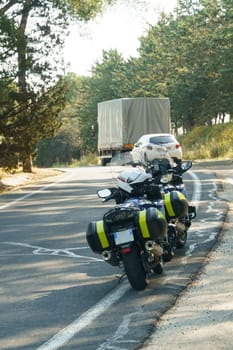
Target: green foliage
(23, 125)
(85, 10)
(61, 149)
(89, 159)
(32, 37)
(105, 84)
(179, 58)
(9, 155)
(186, 56)
(208, 142)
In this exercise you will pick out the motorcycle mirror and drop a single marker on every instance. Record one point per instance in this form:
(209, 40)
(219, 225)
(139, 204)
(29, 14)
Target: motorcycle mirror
(186, 165)
(105, 193)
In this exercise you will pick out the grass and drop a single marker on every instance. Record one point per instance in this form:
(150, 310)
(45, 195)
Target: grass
(91, 159)
(205, 142)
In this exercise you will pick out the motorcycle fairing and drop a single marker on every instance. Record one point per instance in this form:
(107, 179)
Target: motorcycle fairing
(152, 224)
(176, 204)
(97, 237)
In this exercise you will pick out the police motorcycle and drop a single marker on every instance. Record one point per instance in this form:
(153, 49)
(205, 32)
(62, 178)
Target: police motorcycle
(169, 176)
(133, 234)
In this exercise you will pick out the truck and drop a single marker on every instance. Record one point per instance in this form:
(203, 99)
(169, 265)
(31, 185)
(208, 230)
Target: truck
(121, 122)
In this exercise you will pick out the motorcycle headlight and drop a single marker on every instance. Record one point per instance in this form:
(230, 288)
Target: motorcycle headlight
(166, 178)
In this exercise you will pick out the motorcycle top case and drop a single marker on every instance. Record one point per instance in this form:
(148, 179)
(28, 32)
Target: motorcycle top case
(152, 224)
(176, 204)
(97, 238)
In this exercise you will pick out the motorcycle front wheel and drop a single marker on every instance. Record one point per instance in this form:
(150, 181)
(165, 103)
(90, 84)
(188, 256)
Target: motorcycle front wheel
(134, 269)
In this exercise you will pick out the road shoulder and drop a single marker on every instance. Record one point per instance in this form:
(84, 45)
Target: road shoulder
(11, 182)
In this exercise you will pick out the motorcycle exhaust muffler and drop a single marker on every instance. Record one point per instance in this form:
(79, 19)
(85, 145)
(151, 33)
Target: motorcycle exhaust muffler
(153, 247)
(110, 257)
(106, 255)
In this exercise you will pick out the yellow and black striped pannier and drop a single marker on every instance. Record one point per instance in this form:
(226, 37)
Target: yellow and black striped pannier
(96, 236)
(152, 224)
(176, 204)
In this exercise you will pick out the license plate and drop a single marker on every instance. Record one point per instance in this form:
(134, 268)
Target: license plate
(123, 236)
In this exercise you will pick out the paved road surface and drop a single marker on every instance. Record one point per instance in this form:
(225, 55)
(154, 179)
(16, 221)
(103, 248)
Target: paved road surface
(202, 318)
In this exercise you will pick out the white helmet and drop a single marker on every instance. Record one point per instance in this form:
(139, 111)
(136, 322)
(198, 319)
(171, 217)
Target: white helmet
(127, 179)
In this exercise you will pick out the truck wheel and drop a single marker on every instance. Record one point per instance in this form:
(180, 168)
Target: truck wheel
(134, 269)
(103, 162)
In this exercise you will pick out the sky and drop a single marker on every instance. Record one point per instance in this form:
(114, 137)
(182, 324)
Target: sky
(119, 27)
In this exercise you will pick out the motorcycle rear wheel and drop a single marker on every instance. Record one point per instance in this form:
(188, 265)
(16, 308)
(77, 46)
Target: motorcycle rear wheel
(181, 240)
(134, 269)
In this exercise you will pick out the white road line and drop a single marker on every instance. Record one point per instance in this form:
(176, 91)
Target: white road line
(197, 188)
(85, 319)
(21, 198)
(229, 180)
(66, 252)
(24, 197)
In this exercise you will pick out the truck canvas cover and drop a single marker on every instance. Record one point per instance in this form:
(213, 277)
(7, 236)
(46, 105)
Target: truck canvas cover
(123, 121)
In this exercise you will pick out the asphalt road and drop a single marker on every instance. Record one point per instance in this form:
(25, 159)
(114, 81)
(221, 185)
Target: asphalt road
(56, 294)
(202, 317)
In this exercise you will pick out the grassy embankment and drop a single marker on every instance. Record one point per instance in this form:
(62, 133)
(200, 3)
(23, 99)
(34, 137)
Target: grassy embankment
(205, 142)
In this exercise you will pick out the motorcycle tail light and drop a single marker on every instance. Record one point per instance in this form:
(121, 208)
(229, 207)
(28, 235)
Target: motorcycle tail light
(125, 250)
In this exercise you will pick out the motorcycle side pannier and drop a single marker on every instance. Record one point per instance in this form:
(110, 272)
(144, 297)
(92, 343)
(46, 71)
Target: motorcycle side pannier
(152, 224)
(96, 236)
(176, 204)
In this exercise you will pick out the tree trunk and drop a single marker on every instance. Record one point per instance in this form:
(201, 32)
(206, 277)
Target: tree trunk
(27, 164)
(22, 68)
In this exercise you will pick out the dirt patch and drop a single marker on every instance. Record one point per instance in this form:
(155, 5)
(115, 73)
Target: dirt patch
(12, 181)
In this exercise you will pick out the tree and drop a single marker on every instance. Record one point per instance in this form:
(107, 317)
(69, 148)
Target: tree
(9, 155)
(61, 149)
(32, 34)
(65, 145)
(187, 57)
(38, 121)
(106, 83)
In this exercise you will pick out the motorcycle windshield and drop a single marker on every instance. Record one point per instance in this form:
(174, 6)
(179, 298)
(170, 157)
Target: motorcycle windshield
(127, 162)
(131, 158)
